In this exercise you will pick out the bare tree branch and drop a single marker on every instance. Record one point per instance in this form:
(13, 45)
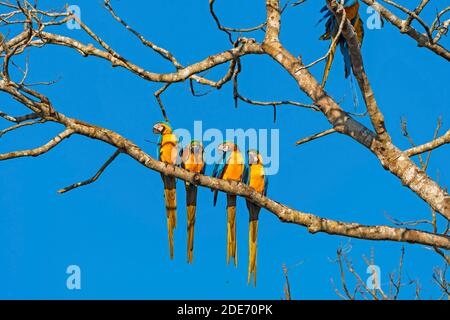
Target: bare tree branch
(349, 34)
(422, 40)
(315, 136)
(93, 178)
(378, 142)
(20, 125)
(19, 119)
(389, 155)
(38, 151)
(396, 282)
(436, 143)
(178, 76)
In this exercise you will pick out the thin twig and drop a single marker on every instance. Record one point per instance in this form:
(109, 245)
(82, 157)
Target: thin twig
(315, 136)
(93, 178)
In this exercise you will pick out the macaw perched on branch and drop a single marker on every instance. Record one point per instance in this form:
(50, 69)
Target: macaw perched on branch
(192, 160)
(168, 153)
(230, 168)
(255, 177)
(332, 28)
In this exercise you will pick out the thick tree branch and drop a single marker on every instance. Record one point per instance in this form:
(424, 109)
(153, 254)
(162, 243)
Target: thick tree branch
(391, 158)
(312, 222)
(349, 34)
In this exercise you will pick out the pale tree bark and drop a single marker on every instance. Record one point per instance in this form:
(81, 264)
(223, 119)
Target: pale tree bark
(426, 40)
(376, 139)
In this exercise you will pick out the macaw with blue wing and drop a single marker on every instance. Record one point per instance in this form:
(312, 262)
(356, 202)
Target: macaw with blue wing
(332, 27)
(231, 167)
(192, 160)
(255, 177)
(168, 153)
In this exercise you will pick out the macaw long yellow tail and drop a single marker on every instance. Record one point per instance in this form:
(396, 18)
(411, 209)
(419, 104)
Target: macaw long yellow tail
(252, 241)
(329, 62)
(231, 229)
(191, 203)
(171, 208)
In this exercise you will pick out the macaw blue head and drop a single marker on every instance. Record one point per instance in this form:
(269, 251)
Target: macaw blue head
(162, 127)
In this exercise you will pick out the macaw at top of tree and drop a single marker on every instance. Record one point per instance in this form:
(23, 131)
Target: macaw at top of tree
(331, 30)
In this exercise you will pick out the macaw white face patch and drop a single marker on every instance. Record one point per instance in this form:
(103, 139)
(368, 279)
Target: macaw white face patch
(158, 128)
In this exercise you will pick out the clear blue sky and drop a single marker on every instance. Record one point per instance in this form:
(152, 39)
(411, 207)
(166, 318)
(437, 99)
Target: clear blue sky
(115, 229)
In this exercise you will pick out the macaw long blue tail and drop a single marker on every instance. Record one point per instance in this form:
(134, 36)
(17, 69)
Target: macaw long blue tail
(347, 61)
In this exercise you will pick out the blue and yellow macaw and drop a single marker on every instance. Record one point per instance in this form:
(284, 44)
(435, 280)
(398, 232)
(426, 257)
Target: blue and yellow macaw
(255, 177)
(192, 160)
(168, 153)
(230, 168)
(332, 27)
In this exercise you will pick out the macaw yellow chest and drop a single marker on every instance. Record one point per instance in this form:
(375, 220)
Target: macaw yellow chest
(257, 177)
(235, 167)
(194, 163)
(168, 149)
